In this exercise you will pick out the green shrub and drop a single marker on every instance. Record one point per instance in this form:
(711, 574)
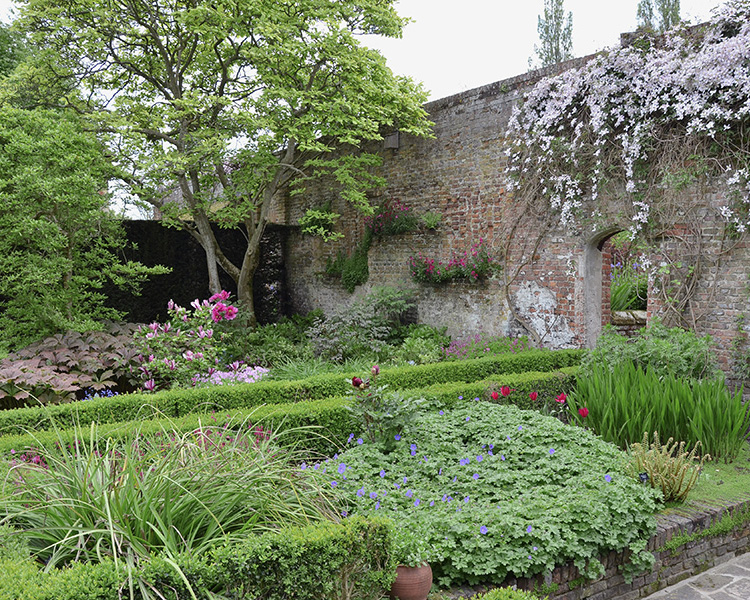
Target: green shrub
(625, 402)
(495, 490)
(351, 559)
(667, 351)
(363, 328)
(180, 402)
(504, 594)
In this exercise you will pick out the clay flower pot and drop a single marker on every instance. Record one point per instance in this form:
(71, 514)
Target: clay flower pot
(412, 583)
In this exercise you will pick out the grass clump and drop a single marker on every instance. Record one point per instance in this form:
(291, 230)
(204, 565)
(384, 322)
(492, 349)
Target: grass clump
(169, 494)
(622, 402)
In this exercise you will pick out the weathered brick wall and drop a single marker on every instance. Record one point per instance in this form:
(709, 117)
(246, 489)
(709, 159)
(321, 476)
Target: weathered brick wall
(559, 288)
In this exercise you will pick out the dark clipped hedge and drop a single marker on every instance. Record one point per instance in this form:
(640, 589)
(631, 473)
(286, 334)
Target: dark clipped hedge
(307, 563)
(180, 402)
(320, 426)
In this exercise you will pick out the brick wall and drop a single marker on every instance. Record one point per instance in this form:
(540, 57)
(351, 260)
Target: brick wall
(558, 288)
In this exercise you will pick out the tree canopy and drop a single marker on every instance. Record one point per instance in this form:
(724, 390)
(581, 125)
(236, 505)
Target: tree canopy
(59, 244)
(555, 30)
(227, 101)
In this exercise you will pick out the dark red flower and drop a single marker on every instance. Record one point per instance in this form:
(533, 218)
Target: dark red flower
(495, 395)
(356, 382)
(584, 412)
(533, 396)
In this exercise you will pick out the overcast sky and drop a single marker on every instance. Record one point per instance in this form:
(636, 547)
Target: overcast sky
(456, 45)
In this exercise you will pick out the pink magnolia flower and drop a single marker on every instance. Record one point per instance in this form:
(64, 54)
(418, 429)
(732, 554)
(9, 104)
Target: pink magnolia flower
(196, 304)
(150, 384)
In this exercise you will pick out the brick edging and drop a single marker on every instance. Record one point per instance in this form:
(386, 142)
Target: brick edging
(670, 567)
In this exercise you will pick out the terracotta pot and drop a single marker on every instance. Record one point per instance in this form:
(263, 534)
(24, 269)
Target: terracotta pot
(412, 583)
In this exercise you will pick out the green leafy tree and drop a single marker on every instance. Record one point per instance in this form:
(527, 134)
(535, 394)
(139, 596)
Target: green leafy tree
(659, 15)
(224, 102)
(12, 50)
(58, 243)
(555, 30)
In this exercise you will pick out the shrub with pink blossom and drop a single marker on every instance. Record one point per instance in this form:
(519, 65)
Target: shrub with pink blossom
(177, 352)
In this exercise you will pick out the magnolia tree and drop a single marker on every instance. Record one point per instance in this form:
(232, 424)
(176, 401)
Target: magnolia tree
(227, 100)
(638, 122)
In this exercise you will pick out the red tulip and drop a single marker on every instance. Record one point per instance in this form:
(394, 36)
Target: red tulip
(561, 398)
(505, 390)
(584, 412)
(495, 395)
(533, 396)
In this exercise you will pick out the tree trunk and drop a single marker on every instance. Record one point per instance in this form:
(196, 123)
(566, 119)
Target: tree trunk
(250, 263)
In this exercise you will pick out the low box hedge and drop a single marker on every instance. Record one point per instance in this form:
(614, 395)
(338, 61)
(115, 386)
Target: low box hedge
(328, 423)
(180, 402)
(328, 560)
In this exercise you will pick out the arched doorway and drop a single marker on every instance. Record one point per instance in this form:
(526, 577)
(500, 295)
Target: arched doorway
(611, 282)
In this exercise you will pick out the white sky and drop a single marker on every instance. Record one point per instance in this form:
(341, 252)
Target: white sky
(456, 45)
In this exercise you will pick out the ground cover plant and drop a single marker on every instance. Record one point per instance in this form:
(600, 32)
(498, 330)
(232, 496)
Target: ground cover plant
(495, 490)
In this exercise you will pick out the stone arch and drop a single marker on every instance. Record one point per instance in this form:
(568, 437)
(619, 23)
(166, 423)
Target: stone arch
(594, 297)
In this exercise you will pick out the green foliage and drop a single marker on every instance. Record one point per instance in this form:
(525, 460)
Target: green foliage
(293, 84)
(59, 243)
(381, 414)
(555, 30)
(629, 280)
(666, 351)
(12, 50)
(313, 401)
(410, 550)
(431, 220)
(626, 401)
(320, 223)
(272, 344)
(362, 328)
(504, 594)
(532, 492)
(178, 492)
(351, 559)
(353, 268)
(668, 466)
(740, 350)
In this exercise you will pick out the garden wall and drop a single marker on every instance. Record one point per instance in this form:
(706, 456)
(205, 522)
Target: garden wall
(698, 552)
(153, 244)
(556, 288)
